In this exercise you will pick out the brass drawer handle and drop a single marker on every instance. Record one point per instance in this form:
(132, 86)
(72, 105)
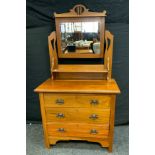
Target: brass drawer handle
(59, 101)
(61, 130)
(93, 116)
(94, 102)
(60, 115)
(93, 131)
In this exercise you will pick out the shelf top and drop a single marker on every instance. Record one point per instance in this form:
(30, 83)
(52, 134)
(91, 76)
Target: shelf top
(79, 86)
(81, 68)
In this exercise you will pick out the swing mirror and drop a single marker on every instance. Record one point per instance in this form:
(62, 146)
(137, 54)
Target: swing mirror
(80, 33)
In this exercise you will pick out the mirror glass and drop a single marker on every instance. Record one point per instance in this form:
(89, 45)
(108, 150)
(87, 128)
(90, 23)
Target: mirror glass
(80, 37)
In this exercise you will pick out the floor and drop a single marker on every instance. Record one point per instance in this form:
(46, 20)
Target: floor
(35, 144)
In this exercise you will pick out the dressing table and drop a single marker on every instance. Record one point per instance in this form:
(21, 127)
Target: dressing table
(78, 101)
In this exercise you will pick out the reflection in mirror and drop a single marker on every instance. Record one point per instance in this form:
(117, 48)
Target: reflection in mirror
(80, 37)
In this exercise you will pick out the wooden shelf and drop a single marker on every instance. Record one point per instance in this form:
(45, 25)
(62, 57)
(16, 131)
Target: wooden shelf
(81, 68)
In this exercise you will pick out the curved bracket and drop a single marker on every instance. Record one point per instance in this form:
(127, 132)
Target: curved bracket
(52, 51)
(108, 53)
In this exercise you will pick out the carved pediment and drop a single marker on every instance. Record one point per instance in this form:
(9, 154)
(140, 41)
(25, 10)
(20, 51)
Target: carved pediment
(80, 10)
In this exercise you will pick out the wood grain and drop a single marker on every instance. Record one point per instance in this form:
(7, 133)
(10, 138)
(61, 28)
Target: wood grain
(52, 50)
(80, 76)
(78, 115)
(81, 86)
(77, 100)
(52, 53)
(83, 13)
(112, 120)
(81, 130)
(41, 97)
(81, 68)
(108, 53)
(102, 141)
(76, 72)
(77, 118)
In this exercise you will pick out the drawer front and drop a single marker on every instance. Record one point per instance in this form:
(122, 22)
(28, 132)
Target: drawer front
(78, 100)
(77, 130)
(87, 115)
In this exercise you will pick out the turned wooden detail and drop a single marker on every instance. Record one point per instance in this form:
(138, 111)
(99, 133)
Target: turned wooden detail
(108, 53)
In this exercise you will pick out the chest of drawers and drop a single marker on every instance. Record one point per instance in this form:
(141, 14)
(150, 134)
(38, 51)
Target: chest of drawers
(78, 110)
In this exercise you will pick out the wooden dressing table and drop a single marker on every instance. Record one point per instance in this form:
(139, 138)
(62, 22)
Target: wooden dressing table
(78, 101)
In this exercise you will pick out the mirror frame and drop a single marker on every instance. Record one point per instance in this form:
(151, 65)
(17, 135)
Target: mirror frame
(79, 13)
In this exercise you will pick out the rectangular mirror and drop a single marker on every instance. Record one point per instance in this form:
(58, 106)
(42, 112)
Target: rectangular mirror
(80, 33)
(80, 37)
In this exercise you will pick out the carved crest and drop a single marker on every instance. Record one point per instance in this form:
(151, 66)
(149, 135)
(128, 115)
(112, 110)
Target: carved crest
(79, 9)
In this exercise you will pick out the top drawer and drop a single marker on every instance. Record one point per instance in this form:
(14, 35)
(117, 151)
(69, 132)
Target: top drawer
(77, 100)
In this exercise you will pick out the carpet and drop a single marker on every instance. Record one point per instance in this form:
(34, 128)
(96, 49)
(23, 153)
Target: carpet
(35, 144)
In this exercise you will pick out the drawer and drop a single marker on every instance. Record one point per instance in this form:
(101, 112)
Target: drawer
(77, 100)
(77, 130)
(88, 115)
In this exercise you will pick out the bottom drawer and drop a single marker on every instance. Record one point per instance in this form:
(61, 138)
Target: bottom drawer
(78, 130)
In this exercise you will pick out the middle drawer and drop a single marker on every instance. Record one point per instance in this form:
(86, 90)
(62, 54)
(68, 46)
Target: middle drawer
(87, 115)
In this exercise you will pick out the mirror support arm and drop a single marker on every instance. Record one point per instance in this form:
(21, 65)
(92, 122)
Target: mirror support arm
(52, 52)
(108, 53)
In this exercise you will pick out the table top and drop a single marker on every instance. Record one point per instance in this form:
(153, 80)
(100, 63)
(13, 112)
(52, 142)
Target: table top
(79, 86)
